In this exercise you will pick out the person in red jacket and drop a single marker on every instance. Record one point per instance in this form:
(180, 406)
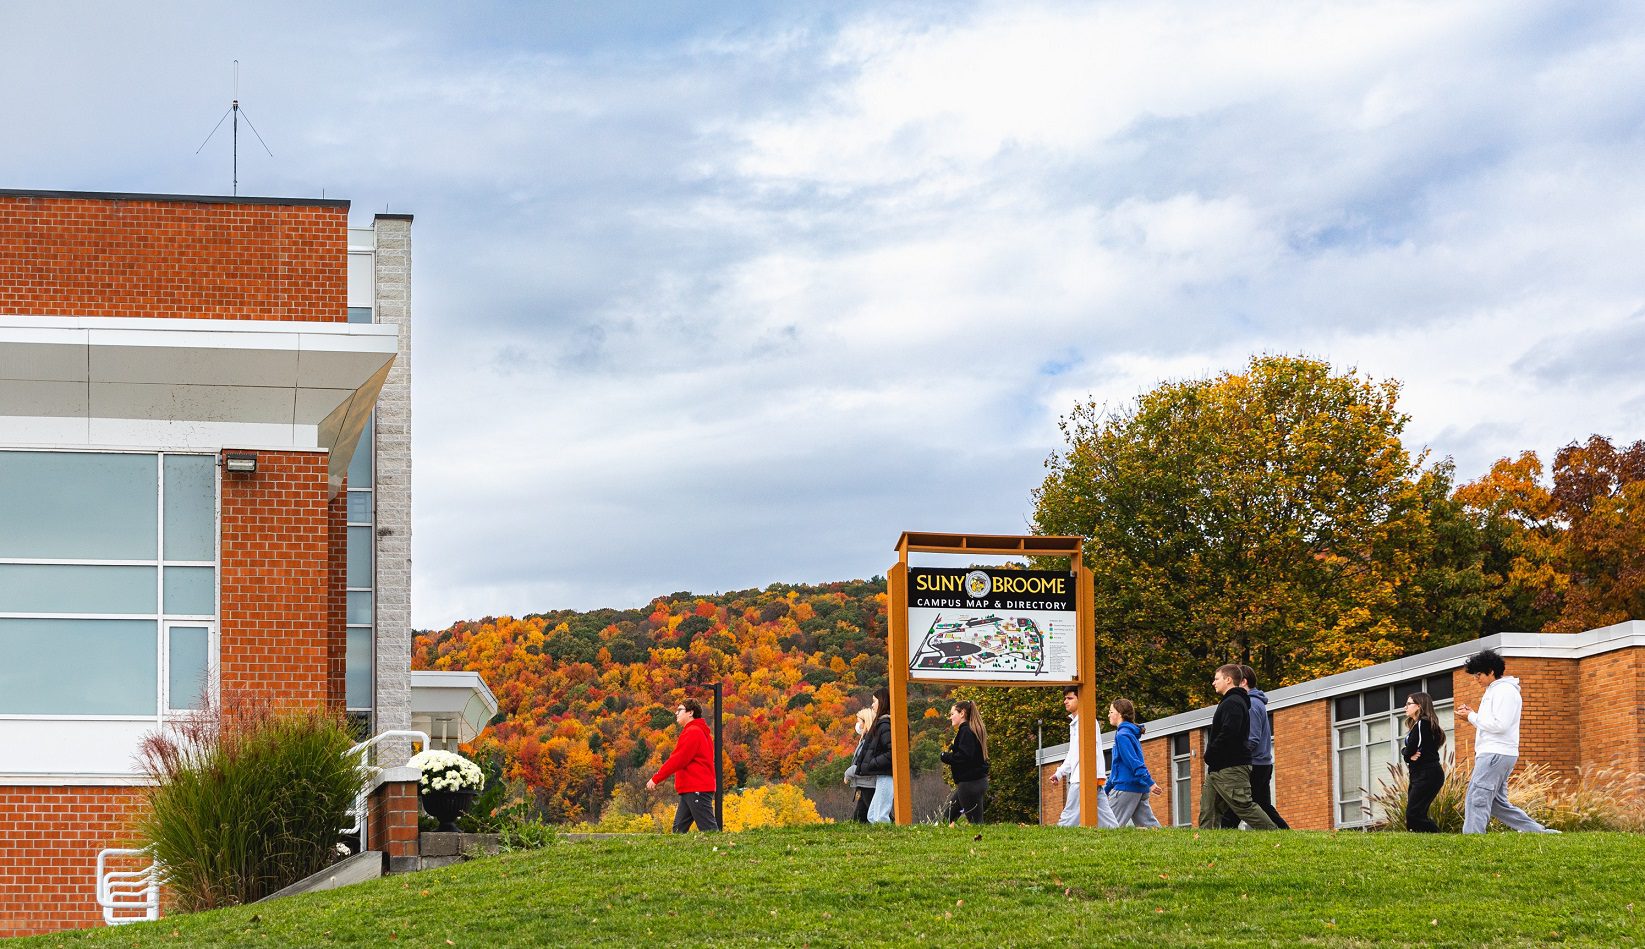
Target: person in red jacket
(692, 765)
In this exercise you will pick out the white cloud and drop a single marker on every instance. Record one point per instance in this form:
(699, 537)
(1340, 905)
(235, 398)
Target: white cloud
(728, 303)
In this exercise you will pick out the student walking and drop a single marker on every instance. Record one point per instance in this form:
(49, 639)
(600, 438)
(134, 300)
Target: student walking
(692, 767)
(1421, 753)
(876, 759)
(1228, 757)
(1261, 743)
(1069, 774)
(862, 787)
(1496, 747)
(967, 759)
(1129, 786)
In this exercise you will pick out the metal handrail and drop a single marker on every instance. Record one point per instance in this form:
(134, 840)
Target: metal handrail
(128, 896)
(368, 771)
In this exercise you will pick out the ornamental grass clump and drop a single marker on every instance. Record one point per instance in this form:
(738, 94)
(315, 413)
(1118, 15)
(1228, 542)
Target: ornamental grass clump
(1609, 798)
(248, 798)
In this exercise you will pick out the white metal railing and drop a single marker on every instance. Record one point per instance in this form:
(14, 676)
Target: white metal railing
(128, 896)
(367, 771)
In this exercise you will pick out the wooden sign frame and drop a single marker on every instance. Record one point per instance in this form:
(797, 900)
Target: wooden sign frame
(991, 545)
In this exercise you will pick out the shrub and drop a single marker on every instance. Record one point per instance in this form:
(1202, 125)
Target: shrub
(248, 798)
(1600, 799)
(774, 805)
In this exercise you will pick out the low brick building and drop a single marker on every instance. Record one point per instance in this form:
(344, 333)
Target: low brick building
(1336, 737)
(204, 486)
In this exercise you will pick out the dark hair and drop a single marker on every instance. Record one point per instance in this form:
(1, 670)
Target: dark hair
(693, 706)
(1249, 675)
(882, 701)
(1232, 671)
(973, 718)
(1486, 660)
(1426, 713)
(1128, 711)
(1073, 690)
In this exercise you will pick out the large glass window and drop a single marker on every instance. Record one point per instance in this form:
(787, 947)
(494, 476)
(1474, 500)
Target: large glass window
(98, 552)
(1369, 727)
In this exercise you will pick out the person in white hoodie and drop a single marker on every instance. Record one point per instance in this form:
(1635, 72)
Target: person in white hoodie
(1496, 747)
(1068, 774)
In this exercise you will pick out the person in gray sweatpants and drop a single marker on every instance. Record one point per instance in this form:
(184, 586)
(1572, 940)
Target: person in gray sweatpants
(1496, 747)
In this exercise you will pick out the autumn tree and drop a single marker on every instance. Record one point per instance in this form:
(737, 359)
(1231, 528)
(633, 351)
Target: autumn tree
(1272, 517)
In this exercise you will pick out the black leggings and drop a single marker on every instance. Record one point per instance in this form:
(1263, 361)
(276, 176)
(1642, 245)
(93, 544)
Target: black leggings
(1426, 781)
(967, 800)
(865, 797)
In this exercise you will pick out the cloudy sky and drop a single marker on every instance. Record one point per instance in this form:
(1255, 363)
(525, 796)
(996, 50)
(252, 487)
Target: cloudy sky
(709, 300)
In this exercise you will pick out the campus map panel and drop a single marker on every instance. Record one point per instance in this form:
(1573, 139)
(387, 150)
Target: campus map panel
(990, 624)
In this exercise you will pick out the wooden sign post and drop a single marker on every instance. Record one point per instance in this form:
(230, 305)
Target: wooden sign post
(966, 613)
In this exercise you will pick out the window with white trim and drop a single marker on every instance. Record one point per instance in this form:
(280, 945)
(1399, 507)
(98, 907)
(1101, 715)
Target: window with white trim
(1368, 728)
(1182, 780)
(108, 583)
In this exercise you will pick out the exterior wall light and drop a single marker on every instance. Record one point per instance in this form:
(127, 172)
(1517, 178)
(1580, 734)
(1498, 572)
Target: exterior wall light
(240, 461)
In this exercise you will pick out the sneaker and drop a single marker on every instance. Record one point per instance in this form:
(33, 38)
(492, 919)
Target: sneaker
(1550, 830)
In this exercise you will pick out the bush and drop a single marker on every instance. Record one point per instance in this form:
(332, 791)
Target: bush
(248, 799)
(1601, 798)
(774, 805)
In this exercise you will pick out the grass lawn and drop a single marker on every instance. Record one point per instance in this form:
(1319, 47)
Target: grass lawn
(848, 886)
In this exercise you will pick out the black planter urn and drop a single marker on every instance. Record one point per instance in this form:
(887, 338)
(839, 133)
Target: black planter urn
(447, 806)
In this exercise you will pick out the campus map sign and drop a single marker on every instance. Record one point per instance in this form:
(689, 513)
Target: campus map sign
(991, 625)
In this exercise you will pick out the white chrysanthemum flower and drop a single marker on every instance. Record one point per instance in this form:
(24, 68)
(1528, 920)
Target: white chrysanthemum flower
(444, 771)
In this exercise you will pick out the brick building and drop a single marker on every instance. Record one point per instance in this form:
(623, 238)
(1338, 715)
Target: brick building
(204, 485)
(1334, 737)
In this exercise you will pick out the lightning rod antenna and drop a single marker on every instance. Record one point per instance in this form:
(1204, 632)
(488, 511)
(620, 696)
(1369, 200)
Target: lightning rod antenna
(235, 111)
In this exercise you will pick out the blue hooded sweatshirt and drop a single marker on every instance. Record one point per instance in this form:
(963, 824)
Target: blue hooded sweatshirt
(1129, 772)
(1261, 741)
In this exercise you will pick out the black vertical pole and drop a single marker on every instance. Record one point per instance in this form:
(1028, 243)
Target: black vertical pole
(1039, 780)
(719, 776)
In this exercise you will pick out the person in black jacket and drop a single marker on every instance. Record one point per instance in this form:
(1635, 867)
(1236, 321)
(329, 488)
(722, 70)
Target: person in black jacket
(876, 759)
(1228, 757)
(1421, 754)
(967, 758)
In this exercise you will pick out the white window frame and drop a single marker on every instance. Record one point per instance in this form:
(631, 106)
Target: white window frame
(1395, 715)
(162, 619)
(1183, 782)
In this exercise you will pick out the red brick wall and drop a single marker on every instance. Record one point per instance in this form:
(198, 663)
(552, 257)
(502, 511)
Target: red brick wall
(276, 621)
(62, 256)
(1303, 748)
(49, 838)
(1612, 709)
(392, 823)
(1156, 754)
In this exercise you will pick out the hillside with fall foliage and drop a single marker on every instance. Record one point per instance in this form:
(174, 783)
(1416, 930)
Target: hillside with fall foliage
(587, 698)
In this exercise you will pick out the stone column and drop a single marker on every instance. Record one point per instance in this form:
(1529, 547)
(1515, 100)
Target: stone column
(392, 264)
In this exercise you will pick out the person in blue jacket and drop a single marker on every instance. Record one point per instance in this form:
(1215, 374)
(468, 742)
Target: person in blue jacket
(1129, 783)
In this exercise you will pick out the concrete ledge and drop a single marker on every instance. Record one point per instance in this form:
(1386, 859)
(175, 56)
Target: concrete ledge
(356, 869)
(387, 775)
(435, 844)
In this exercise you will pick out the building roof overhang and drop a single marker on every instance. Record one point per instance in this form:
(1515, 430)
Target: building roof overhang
(113, 382)
(455, 705)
